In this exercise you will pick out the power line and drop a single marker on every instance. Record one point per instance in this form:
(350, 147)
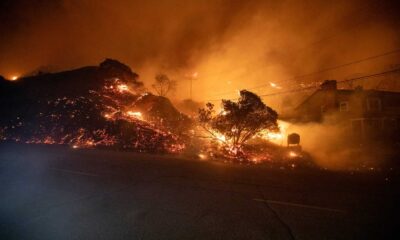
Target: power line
(314, 87)
(323, 70)
(319, 41)
(343, 81)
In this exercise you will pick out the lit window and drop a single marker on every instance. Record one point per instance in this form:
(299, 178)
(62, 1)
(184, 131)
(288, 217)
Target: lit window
(344, 106)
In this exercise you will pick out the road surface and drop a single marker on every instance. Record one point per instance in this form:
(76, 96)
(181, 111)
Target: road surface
(52, 192)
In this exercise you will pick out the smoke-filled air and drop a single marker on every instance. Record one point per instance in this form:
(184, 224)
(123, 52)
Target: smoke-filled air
(274, 54)
(224, 45)
(199, 119)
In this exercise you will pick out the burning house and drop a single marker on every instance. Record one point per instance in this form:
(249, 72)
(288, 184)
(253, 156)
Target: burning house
(367, 115)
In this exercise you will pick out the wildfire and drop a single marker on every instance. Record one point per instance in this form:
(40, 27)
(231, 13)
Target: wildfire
(137, 115)
(111, 103)
(223, 112)
(220, 137)
(14, 77)
(293, 154)
(117, 86)
(123, 88)
(202, 156)
(276, 137)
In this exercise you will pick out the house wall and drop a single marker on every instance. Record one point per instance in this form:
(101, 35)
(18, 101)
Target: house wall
(373, 116)
(368, 115)
(322, 103)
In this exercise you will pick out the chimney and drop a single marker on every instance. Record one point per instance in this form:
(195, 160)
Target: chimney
(329, 85)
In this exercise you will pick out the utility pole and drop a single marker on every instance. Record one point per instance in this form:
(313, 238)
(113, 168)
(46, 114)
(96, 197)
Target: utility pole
(191, 78)
(191, 87)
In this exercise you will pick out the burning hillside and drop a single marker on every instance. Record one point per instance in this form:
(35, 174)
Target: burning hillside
(87, 107)
(107, 107)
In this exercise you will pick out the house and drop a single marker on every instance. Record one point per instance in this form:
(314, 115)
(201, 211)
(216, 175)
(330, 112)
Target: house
(367, 114)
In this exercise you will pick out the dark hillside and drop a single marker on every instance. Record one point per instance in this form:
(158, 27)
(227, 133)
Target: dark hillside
(85, 107)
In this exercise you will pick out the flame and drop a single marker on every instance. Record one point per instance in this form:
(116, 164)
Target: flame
(14, 77)
(137, 115)
(150, 138)
(220, 137)
(202, 156)
(292, 154)
(223, 112)
(274, 85)
(123, 88)
(276, 137)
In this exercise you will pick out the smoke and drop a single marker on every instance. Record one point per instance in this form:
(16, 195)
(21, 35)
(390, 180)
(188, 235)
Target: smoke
(230, 44)
(332, 146)
(160, 34)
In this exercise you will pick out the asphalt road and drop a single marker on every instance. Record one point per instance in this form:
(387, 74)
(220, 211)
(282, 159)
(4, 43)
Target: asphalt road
(50, 192)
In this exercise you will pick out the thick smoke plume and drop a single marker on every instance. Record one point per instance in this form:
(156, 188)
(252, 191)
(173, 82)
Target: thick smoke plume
(230, 44)
(331, 146)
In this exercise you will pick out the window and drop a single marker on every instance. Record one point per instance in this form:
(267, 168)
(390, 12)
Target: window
(344, 106)
(373, 104)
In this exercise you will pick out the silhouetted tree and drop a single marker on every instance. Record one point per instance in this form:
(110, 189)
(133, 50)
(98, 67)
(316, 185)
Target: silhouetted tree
(238, 121)
(163, 85)
(111, 68)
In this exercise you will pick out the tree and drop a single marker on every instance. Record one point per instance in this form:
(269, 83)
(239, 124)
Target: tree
(238, 121)
(111, 68)
(163, 85)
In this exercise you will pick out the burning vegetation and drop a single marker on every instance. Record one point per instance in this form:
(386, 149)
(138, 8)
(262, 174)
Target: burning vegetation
(106, 106)
(237, 122)
(247, 131)
(90, 107)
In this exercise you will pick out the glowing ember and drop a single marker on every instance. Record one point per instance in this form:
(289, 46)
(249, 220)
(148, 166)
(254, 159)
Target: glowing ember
(220, 137)
(202, 156)
(99, 116)
(223, 112)
(137, 115)
(116, 128)
(293, 154)
(123, 88)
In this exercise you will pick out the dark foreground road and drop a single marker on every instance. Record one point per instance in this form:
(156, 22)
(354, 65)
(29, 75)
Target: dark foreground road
(60, 193)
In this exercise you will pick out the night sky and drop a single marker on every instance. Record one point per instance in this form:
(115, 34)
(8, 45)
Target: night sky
(230, 44)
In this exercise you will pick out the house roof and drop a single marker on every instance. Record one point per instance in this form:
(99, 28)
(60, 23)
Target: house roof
(348, 92)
